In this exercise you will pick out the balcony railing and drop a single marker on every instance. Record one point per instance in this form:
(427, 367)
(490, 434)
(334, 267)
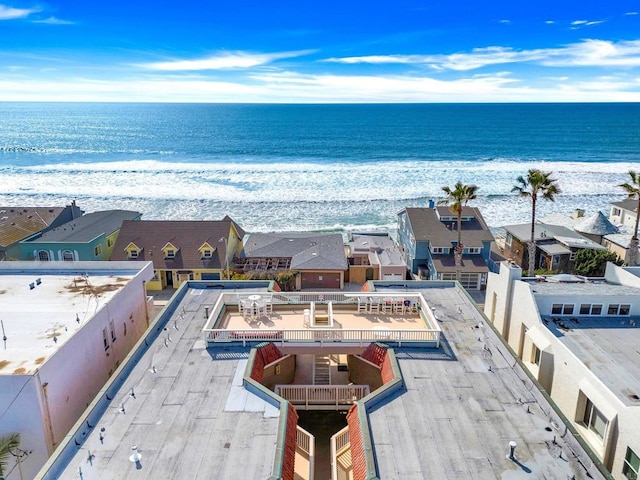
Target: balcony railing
(341, 455)
(306, 446)
(354, 337)
(322, 397)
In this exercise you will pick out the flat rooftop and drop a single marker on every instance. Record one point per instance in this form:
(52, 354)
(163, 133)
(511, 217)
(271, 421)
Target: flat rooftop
(59, 304)
(183, 405)
(608, 346)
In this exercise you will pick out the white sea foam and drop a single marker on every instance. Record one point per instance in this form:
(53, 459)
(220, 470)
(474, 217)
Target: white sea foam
(304, 195)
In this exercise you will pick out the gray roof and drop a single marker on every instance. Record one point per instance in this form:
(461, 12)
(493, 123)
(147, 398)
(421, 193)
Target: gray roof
(307, 251)
(89, 226)
(627, 204)
(381, 249)
(460, 406)
(545, 232)
(426, 226)
(597, 224)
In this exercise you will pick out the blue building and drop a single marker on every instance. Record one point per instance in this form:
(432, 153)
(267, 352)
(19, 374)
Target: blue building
(428, 238)
(89, 237)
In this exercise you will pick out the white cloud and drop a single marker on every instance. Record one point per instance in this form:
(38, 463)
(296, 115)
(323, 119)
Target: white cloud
(589, 52)
(549, 22)
(504, 21)
(54, 21)
(585, 23)
(279, 87)
(11, 13)
(631, 13)
(223, 60)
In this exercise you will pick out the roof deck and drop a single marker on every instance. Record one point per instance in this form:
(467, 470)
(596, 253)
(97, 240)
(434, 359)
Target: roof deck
(351, 318)
(184, 406)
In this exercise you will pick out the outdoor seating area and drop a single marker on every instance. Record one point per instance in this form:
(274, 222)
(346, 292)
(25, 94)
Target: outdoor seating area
(254, 306)
(386, 305)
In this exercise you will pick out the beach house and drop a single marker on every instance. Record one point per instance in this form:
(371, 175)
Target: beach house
(318, 259)
(180, 250)
(428, 238)
(89, 237)
(18, 223)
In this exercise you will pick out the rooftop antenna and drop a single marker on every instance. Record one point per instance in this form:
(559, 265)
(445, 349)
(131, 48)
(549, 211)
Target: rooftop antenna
(4, 335)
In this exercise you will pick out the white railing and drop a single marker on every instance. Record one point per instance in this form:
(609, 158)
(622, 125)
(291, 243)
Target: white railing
(306, 443)
(359, 337)
(339, 443)
(322, 397)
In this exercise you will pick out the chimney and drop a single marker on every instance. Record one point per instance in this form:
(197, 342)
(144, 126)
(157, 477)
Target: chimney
(577, 213)
(432, 204)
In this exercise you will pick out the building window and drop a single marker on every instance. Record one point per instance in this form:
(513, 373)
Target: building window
(556, 309)
(572, 256)
(109, 242)
(568, 309)
(473, 250)
(596, 309)
(615, 309)
(43, 255)
(585, 309)
(437, 249)
(105, 339)
(97, 250)
(594, 420)
(206, 254)
(508, 240)
(617, 212)
(124, 330)
(113, 330)
(631, 465)
(133, 254)
(67, 256)
(171, 254)
(535, 355)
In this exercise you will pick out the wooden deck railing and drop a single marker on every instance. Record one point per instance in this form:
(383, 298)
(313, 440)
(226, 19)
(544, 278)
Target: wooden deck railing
(322, 397)
(340, 445)
(359, 337)
(306, 445)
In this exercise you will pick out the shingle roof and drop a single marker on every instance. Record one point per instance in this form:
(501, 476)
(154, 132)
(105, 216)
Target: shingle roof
(88, 226)
(628, 204)
(18, 223)
(308, 251)
(426, 226)
(597, 224)
(186, 235)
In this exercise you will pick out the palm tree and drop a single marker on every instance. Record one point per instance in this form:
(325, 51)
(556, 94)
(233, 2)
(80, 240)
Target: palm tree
(7, 444)
(536, 184)
(633, 191)
(456, 199)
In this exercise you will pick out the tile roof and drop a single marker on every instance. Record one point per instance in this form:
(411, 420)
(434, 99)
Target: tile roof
(88, 226)
(186, 235)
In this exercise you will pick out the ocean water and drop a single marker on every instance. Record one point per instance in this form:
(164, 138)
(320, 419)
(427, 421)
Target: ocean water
(311, 167)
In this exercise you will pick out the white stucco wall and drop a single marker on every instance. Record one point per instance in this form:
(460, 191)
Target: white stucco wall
(567, 379)
(42, 405)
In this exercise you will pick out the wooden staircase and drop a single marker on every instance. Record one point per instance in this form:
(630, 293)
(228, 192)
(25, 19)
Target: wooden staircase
(322, 370)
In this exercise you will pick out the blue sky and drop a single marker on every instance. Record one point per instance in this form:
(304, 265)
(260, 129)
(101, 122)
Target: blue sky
(330, 51)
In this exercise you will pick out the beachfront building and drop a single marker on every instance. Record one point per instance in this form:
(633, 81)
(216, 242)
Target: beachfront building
(556, 246)
(18, 223)
(406, 378)
(578, 336)
(428, 238)
(374, 256)
(319, 259)
(624, 213)
(180, 250)
(86, 238)
(66, 328)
